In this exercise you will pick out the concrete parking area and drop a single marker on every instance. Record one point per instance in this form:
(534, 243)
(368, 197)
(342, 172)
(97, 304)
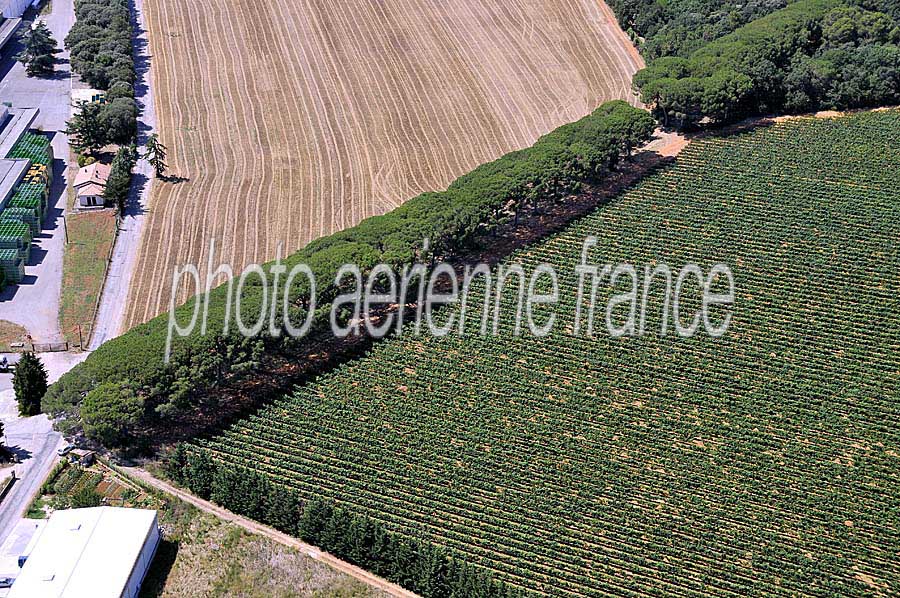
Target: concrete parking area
(32, 439)
(16, 545)
(34, 304)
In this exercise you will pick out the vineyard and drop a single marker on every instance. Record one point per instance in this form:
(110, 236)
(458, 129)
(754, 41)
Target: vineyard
(290, 120)
(765, 462)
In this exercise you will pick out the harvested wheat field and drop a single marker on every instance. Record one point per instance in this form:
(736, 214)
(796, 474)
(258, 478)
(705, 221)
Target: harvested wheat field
(292, 119)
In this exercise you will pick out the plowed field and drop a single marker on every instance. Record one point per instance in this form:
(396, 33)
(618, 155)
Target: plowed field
(292, 119)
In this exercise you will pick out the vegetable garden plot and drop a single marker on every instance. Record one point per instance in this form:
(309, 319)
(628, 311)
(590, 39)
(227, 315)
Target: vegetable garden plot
(766, 462)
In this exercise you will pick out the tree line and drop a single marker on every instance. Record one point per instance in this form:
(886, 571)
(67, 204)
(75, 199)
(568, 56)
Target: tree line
(418, 565)
(465, 216)
(100, 47)
(810, 55)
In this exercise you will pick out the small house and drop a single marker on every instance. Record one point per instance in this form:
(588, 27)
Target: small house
(90, 184)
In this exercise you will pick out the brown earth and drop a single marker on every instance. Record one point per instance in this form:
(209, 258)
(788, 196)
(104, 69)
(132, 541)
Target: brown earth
(290, 120)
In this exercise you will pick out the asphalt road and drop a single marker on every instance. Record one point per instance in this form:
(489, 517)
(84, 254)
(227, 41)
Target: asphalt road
(111, 312)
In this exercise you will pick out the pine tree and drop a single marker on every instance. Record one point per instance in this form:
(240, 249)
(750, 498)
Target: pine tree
(156, 155)
(176, 462)
(38, 51)
(86, 130)
(30, 384)
(119, 183)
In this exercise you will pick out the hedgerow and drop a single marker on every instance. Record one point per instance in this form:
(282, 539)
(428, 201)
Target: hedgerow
(472, 208)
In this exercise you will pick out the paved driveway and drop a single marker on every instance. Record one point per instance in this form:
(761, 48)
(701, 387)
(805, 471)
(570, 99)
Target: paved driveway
(111, 313)
(34, 304)
(32, 438)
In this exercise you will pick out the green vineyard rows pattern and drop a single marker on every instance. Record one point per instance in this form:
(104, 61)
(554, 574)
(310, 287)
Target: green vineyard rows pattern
(763, 462)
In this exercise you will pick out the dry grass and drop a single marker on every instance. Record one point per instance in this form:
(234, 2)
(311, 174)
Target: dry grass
(296, 118)
(91, 236)
(204, 557)
(10, 333)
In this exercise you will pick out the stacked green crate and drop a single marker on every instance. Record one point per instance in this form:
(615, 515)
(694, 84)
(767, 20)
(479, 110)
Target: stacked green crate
(16, 235)
(33, 147)
(29, 195)
(33, 205)
(12, 265)
(23, 215)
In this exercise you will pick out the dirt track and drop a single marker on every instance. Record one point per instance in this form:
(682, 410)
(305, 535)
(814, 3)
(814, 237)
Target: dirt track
(256, 528)
(304, 119)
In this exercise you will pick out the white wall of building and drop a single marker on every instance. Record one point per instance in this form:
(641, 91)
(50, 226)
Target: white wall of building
(133, 588)
(14, 8)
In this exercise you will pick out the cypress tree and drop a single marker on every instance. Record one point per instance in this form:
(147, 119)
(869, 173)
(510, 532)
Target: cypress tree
(30, 384)
(200, 471)
(316, 515)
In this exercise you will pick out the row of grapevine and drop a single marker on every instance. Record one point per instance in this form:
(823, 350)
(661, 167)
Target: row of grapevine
(764, 462)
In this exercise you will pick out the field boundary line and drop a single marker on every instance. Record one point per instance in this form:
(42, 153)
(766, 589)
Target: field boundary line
(259, 529)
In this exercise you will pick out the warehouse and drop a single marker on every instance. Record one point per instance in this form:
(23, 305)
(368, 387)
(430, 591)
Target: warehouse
(14, 8)
(102, 552)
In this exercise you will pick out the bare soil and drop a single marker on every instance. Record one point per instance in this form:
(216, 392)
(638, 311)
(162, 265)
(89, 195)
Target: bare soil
(293, 119)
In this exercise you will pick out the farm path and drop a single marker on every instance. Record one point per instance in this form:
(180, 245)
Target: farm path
(111, 311)
(273, 534)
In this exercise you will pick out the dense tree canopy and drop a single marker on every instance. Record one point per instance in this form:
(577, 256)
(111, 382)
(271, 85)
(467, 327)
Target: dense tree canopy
(100, 43)
(810, 55)
(109, 411)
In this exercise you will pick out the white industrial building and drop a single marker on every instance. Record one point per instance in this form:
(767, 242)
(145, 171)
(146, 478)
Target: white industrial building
(102, 552)
(15, 8)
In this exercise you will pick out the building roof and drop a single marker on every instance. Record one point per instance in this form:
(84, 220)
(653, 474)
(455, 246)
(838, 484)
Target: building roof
(8, 28)
(15, 127)
(85, 552)
(91, 189)
(11, 172)
(93, 174)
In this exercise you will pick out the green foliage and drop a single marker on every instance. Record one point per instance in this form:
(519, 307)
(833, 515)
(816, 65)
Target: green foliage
(599, 466)
(30, 384)
(38, 50)
(86, 130)
(416, 564)
(84, 497)
(96, 125)
(119, 120)
(469, 211)
(811, 55)
(156, 155)
(100, 43)
(50, 482)
(110, 411)
(119, 183)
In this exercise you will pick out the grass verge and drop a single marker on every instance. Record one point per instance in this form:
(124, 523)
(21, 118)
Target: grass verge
(10, 334)
(91, 237)
(200, 555)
